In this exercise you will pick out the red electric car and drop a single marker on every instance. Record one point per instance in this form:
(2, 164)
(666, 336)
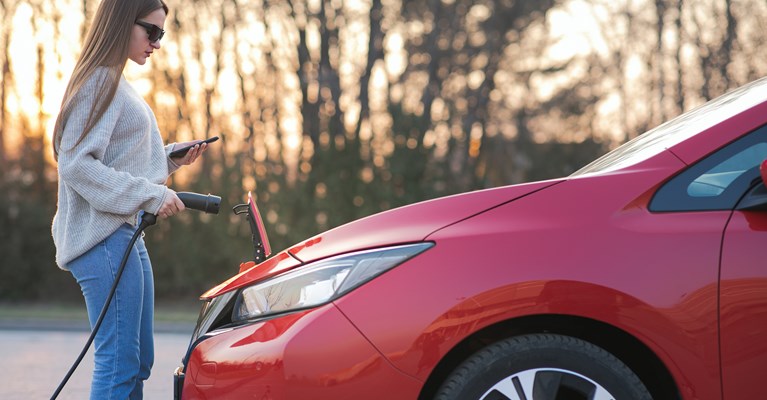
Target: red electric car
(641, 276)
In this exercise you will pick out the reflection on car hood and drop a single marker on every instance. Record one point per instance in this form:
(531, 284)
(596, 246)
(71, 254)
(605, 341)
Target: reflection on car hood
(410, 223)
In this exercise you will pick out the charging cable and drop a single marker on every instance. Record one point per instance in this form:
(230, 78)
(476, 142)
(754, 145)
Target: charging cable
(147, 220)
(205, 203)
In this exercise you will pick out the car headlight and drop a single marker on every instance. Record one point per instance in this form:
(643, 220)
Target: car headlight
(214, 312)
(319, 282)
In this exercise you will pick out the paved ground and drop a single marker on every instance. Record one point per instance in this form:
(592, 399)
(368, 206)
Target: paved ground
(37, 356)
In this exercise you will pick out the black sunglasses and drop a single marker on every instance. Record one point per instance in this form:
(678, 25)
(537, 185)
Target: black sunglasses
(155, 32)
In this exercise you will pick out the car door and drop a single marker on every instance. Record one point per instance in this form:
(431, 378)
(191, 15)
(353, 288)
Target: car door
(729, 179)
(743, 304)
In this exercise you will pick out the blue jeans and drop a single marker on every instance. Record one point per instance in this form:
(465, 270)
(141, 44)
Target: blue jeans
(124, 350)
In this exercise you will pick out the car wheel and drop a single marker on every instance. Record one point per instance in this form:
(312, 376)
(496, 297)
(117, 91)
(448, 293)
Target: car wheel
(542, 367)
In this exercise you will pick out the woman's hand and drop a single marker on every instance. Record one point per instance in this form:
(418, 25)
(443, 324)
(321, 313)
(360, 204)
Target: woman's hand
(171, 205)
(192, 154)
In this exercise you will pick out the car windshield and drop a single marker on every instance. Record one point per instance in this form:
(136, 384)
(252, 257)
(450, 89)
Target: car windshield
(679, 129)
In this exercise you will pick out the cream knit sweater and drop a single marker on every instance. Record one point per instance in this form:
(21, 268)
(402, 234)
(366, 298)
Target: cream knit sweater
(119, 169)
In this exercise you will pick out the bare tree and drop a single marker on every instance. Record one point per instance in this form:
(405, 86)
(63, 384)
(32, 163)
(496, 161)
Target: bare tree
(375, 53)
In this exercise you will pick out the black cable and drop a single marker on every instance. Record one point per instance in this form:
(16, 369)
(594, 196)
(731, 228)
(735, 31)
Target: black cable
(147, 219)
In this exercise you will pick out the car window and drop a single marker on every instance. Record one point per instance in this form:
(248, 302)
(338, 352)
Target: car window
(718, 181)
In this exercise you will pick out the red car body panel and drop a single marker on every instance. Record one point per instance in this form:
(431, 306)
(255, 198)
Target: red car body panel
(410, 223)
(690, 287)
(383, 229)
(743, 297)
(551, 267)
(287, 358)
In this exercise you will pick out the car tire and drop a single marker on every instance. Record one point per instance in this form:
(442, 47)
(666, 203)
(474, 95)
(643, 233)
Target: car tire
(542, 367)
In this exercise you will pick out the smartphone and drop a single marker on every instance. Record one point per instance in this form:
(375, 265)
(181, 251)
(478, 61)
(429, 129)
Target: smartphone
(182, 152)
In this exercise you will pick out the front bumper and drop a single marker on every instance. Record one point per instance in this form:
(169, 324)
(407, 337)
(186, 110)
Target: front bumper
(315, 354)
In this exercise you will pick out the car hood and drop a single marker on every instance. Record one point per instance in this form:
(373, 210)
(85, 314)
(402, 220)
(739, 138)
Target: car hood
(407, 224)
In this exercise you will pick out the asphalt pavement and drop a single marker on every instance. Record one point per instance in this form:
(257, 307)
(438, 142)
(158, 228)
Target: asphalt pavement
(37, 355)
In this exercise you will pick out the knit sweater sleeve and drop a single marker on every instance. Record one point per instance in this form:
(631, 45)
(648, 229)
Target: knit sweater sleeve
(172, 166)
(82, 164)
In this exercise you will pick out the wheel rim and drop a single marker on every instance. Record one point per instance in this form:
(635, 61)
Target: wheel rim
(547, 384)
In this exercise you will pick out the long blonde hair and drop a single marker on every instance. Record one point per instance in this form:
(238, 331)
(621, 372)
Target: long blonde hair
(106, 45)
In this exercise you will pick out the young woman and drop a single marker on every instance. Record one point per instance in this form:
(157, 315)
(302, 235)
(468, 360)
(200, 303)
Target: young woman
(112, 166)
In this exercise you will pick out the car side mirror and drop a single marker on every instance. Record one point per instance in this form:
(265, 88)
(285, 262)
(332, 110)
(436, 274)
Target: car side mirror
(756, 198)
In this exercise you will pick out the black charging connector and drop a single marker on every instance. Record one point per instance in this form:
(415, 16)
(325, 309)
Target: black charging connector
(207, 203)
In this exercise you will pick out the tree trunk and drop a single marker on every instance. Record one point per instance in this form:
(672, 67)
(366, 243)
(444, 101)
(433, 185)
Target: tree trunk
(375, 53)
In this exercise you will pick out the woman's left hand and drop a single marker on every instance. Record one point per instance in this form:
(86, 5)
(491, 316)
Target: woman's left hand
(192, 154)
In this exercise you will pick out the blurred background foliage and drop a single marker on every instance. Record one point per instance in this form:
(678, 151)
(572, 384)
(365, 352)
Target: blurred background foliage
(331, 110)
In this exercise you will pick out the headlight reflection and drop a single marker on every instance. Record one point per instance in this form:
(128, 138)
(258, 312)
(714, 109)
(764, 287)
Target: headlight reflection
(320, 282)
